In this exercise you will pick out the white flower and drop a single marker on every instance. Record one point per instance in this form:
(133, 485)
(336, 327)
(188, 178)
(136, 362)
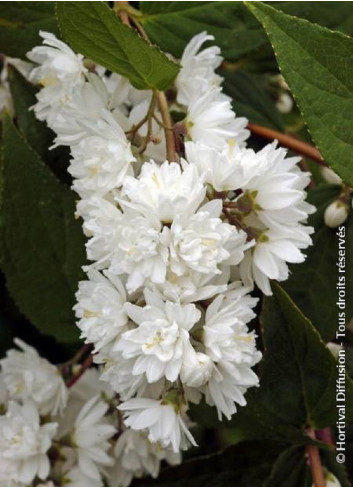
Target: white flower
(117, 373)
(194, 286)
(202, 242)
(268, 258)
(141, 249)
(136, 456)
(163, 423)
(100, 309)
(165, 190)
(90, 438)
(221, 168)
(24, 444)
(101, 219)
(159, 342)
(86, 114)
(197, 73)
(29, 377)
(211, 120)
(75, 477)
(197, 368)
(100, 162)
(226, 335)
(59, 71)
(274, 210)
(336, 214)
(227, 386)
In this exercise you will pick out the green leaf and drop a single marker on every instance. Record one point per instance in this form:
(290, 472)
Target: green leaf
(245, 464)
(94, 30)
(36, 132)
(251, 100)
(20, 23)
(317, 299)
(333, 15)
(298, 372)
(43, 245)
(290, 469)
(172, 24)
(316, 64)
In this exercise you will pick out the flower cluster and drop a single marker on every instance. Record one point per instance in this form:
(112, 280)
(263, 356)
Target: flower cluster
(176, 247)
(51, 435)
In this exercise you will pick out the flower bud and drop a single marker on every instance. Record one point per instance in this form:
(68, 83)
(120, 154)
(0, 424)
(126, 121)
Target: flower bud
(336, 214)
(196, 370)
(330, 176)
(285, 103)
(331, 480)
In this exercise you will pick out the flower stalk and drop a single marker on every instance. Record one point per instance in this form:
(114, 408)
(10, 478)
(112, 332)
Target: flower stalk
(316, 468)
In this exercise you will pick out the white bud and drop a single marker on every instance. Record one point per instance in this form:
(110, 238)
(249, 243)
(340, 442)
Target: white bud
(334, 348)
(336, 214)
(197, 369)
(331, 480)
(330, 176)
(285, 103)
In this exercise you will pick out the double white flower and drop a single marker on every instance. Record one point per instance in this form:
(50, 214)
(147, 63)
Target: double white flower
(167, 240)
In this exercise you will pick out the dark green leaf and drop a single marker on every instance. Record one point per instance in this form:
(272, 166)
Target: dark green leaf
(94, 30)
(20, 23)
(298, 372)
(317, 299)
(172, 24)
(36, 132)
(316, 64)
(246, 464)
(43, 245)
(251, 100)
(333, 15)
(290, 469)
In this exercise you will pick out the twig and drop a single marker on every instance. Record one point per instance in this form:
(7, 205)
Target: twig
(85, 366)
(313, 454)
(162, 105)
(289, 142)
(149, 117)
(167, 124)
(119, 7)
(76, 358)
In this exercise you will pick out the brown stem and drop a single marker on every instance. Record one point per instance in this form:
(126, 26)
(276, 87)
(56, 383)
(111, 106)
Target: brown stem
(289, 142)
(119, 7)
(149, 123)
(163, 106)
(167, 125)
(76, 358)
(85, 366)
(313, 454)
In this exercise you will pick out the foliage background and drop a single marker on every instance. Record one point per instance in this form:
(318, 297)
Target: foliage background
(42, 246)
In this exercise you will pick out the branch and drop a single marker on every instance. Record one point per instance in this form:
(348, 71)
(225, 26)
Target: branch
(85, 366)
(120, 9)
(162, 105)
(167, 125)
(313, 454)
(289, 142)
(76, 358)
